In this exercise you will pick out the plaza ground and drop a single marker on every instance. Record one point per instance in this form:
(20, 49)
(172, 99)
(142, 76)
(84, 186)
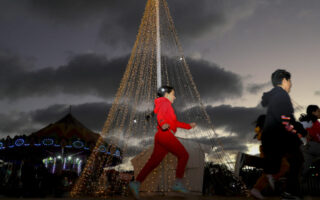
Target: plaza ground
(190, 197)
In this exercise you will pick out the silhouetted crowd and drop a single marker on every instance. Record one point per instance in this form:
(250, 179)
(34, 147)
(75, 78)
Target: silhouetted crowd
(286, 159)
(28, 178)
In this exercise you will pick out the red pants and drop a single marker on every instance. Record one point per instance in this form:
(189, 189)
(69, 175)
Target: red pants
(165, 142)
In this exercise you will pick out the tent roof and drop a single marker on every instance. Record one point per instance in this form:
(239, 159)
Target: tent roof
(67, 128)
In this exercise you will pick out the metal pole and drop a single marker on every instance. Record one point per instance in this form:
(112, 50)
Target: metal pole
(158, 46)
(159, 75)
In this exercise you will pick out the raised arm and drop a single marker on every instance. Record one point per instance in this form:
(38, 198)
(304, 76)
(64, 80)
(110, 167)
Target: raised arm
(183, 125)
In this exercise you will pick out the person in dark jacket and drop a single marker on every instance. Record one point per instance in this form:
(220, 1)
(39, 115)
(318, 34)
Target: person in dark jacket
(165, 141)
(281, 132)
(262, 182)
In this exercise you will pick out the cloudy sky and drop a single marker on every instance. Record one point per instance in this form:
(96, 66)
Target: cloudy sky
(54, 54)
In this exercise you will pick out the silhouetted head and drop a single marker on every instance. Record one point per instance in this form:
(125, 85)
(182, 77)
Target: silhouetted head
(167, 92)
(313, 113)
(281, 78)
(164, 89)
(311, 109)
(260, 121)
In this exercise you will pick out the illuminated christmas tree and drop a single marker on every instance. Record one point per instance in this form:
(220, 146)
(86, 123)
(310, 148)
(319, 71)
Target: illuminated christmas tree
(156, 59)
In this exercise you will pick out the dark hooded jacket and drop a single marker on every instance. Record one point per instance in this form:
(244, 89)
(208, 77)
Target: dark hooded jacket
(279, 114)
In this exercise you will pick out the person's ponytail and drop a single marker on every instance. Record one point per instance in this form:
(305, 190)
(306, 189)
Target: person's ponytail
(163, 90)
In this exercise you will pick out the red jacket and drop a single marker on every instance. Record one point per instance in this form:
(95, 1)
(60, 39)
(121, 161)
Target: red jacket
(166, 115)
(314, 132)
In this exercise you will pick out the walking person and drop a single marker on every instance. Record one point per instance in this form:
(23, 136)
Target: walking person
(281, 133)
(165, 141)
(263, 181)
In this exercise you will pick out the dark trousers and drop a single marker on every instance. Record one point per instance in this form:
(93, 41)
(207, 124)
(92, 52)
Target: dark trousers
(273, 154)
(295, 159)
(272, 163)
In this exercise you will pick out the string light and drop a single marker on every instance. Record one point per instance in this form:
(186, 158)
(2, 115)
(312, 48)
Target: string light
(64, 163)
(19, 142)
(54, 165)
(126, 130)
(79, 167)
(47, 142)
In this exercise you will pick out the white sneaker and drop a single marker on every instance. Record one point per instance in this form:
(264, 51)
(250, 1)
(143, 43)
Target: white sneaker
(270, 180)
(288, 196)
(134, 187)
(179, 187)
(256, 193)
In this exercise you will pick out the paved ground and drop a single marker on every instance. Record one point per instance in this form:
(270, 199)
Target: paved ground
(208, 198)
(190, 197)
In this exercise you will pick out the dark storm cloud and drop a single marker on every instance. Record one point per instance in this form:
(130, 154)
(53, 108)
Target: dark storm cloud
(14, 124)
(92, 115)
(214, 82)
(230, 143)
(49, 114)
(123, 28)
(91, 74)
(84, 74)
(254, 88)
(236, 124)
(236, 120)
(191, 18)
(126, 15)
(119, 20)
(234, 144)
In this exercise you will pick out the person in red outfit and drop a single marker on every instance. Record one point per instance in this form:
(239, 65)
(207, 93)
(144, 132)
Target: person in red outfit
(312, 125)
(165, 141)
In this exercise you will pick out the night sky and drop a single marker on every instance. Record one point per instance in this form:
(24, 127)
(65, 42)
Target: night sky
(57, 53)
